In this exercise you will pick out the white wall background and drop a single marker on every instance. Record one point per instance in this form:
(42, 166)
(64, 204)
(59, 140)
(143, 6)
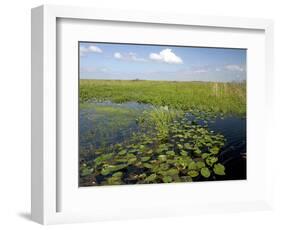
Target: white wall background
(15, 112)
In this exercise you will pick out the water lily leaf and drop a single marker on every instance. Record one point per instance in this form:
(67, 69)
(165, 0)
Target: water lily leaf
(172, 172)
(167, 179)
(183, 153)
(164, 167)
(162, 157)
(163, 147)
(149, 151)
(130, 155)
(147, 165)
(132, 151)
(144, 159)
(187, 161)
(170, 153)
(219, 169)
(132, 160)
(112, 168)
(187, 146)
(105, 171)
(193, 173)
(121, 160)
(215, 150)
(99, 160)
(197, 151)
(211, 160)
(151, 178)
(122, 152)
(138, 164)
(192, 166)
(200, 164)
(117, 174)
(86, 171)
(205, 172)
(114, 181)
(205, 155)
(179, 146)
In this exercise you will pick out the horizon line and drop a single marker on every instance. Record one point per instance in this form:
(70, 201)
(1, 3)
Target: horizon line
(238, 81)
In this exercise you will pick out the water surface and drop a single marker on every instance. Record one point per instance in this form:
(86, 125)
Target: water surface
(107, 123)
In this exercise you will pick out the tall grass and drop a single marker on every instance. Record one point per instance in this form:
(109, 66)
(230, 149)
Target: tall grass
(160, 118)
(205, 96)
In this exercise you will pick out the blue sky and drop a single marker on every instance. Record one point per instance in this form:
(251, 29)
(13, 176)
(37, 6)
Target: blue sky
(155, 62)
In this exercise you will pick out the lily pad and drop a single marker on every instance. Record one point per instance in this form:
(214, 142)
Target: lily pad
(144, 159)
(117, 174)
(192, 166)
(147, 165)
(114, 181)
(211, 160)
(215, 150)
(172, 172)
(162, 157)
(205, 172)
(219, 169)
(205, 155)
(167, 179)
(151, 178)
(112, 168)
(193, 173)
(187, 146)
(122, 152)
(200, 164)
(170, 153)
(86, 171)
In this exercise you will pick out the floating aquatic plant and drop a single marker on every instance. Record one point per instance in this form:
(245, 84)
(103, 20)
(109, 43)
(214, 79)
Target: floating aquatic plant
(171, 149)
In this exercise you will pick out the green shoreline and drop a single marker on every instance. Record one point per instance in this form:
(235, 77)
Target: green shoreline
(227, 98)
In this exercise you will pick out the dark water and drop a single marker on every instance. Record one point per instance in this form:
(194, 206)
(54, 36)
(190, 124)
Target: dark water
(233, 154)
(106, 123)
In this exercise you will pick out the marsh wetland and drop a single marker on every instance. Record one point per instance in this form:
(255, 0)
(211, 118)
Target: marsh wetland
(141, 132)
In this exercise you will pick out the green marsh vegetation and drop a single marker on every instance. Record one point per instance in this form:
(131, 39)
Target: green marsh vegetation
(203, 96)
(170, 140)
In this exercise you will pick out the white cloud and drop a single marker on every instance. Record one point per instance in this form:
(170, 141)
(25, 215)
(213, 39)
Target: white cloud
(218, 69)
(90, 49)
(117, 55)
(83, 51)
(234, 68)
(94, 49)
(133, 56)
(155, 56)
(128, 56)
(166, 56)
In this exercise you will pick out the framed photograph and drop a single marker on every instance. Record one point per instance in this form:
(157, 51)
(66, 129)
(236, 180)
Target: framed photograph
(139, 114)
(161, 114)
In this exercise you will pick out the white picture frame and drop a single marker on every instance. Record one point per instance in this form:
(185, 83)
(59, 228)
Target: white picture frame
(46, 181)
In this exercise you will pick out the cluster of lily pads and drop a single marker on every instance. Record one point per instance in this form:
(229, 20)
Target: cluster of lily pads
(175, 149)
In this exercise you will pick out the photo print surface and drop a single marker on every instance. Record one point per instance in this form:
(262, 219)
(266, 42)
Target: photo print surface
(152, 114)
